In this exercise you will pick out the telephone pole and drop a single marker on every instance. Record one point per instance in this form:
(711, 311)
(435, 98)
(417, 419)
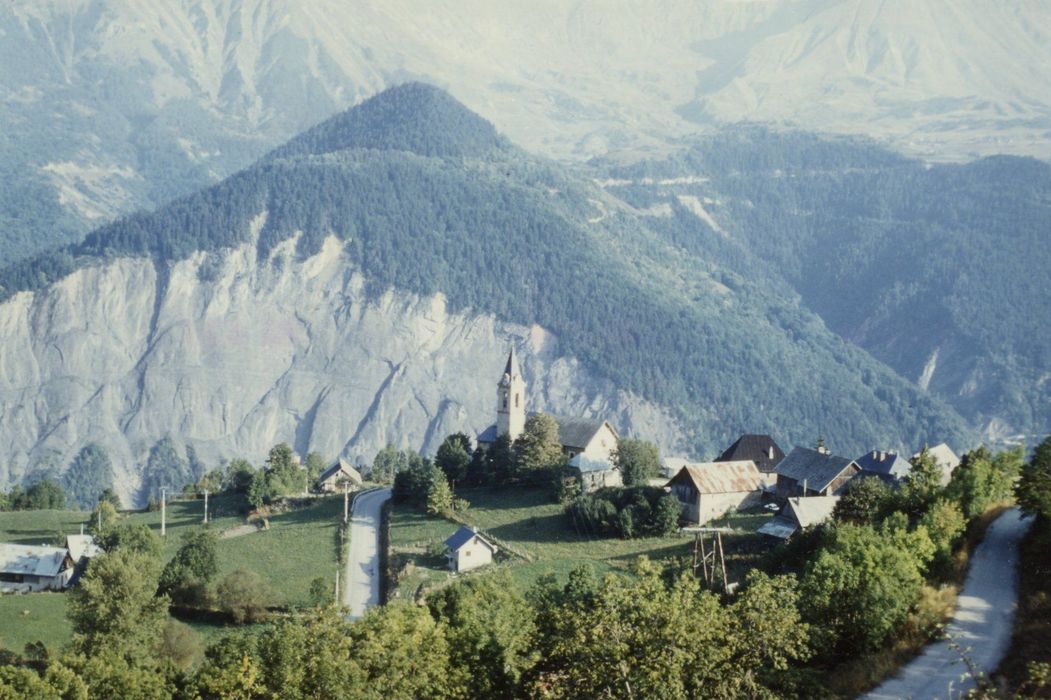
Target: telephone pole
(164, 505)
(206, 506)
(346, 501)
(337, 588)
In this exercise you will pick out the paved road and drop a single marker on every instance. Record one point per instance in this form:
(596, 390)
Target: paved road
(981, 624)
(361, 587)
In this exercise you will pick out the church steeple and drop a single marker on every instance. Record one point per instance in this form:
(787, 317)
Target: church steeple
(510, 399)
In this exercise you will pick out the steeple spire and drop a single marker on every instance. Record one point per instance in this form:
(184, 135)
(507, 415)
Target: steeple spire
(510, 399)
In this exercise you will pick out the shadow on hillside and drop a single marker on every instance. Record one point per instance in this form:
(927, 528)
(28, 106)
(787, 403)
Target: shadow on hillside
(674, 548)
(546, 528)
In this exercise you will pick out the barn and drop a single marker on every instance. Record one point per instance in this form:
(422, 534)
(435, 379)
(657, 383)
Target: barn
(27, 568)
(709, 489)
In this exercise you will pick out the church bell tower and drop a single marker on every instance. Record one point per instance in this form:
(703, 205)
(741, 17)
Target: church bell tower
(510, 400)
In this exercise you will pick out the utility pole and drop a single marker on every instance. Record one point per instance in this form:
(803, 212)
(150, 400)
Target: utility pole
(164, 506)
(337, 588)
(206, 506)
(346, 501)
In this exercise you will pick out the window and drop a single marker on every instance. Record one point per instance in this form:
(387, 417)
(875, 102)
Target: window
(516, 400)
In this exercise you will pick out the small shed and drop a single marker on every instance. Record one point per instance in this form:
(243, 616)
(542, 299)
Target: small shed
(468, 550)
(709, 489)
(27, 568)
(340, 473)
(799, 513)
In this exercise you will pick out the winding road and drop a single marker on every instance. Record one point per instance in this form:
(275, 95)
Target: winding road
(981, 626)
(361, 588)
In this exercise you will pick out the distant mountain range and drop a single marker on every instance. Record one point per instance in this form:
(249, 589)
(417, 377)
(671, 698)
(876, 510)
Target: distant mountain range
(359, 285)
(110, 106)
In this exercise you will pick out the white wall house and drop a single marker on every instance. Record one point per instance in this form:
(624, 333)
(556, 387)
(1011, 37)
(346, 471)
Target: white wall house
(707, 490)
(468, 550)
(27, 568)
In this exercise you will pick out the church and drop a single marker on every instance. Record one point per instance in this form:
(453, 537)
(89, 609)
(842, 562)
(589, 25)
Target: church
(588, 443)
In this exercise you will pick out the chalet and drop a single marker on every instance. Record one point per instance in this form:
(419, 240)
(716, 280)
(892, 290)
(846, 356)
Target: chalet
(338, 476)
(806, 472)
(760, 449)
(709, 489)
(468, 550)
(946, 459)
(26, 568)
(593, 441)
(799, 513)
(888, 466)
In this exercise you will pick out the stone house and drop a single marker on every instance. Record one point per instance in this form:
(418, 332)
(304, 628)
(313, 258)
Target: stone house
(799, 513)
(806, 472)
(888, 466)
(709, 489)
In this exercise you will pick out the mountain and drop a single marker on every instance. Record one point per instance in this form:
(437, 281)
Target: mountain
(345, 292)
(111, 106)
(935, 270)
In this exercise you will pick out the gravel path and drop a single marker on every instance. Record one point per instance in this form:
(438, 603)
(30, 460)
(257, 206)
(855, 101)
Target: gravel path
(980, 628)
(361, 588)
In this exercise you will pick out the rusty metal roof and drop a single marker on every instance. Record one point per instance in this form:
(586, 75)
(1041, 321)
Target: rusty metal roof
(723, 477)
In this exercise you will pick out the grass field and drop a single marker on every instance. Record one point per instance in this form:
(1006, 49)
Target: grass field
(538, 531)
(298, 546)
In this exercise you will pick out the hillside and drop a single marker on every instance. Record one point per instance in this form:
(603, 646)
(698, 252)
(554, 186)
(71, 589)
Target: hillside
(111, 107)
(385, 286)
(933, 270)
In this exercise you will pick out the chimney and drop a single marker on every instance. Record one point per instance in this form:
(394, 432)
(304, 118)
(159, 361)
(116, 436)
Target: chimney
(874, 454)
(770, 452)
(804, 487)
(882, 456)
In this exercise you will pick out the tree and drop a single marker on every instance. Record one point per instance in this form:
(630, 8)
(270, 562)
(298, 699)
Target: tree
(638, 461)
(90, 473)
(110, 496)
(501, 460)
(165, 468)
(103, 518)
(320, 593)
(945, 526)
(439, 495)
(131, 537)
(315, 464)
(186, 576)
(922, 486)
(45, 495)
(453, 457)
(283, 473)
(386, 464)
(238, 476)
(768, 632)
(490, 628)
(866, 498)
(179, 644)
(115, 607)
(983, 480)
(401, 652)
(860, 587)
(666, 515)
(538, 447)
(244, 595)
(1034, 488)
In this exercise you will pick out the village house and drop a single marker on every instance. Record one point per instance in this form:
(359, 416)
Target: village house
(339, 475)
(82, 548)
(710, 489)
(760, 449)
(29, 568)
(945, 458)
(588, 443)
(888, 466)
(468, 550)
(806, 472)
(799, 513)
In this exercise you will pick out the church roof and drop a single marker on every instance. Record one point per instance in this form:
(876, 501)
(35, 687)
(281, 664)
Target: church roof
(488, 436)
(511, 369)
(755, 448)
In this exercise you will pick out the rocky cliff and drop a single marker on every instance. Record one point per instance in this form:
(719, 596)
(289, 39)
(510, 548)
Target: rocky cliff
(231, 355)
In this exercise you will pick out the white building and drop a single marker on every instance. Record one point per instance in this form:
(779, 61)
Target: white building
(333, 479)
(468, 550)
(27, 568)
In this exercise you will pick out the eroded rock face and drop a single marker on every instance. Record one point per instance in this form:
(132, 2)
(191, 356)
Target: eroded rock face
(232, 355)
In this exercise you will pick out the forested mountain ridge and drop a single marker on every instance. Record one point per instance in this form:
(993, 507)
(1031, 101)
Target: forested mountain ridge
(934, 269)
(529, 242)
